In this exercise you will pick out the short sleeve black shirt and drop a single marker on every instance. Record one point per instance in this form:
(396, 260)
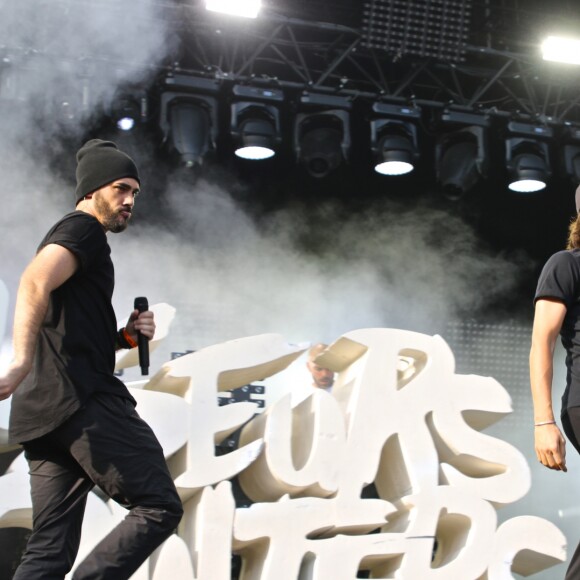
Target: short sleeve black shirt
(560, 280)
(75, 352)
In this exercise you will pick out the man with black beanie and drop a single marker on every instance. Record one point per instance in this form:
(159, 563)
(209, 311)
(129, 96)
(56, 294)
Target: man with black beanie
(74, 418)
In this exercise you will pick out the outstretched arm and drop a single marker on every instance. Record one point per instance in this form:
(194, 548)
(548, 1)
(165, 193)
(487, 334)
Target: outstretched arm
(50, 268)
(550, 444)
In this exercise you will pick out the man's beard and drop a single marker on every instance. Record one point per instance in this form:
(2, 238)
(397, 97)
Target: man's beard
(111, 220)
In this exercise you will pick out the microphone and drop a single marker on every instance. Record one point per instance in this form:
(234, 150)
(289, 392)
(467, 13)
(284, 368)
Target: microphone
(142, 305)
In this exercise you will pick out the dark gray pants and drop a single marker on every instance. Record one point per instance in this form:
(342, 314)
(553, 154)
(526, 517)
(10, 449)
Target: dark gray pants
(105, 443)
(571, 426)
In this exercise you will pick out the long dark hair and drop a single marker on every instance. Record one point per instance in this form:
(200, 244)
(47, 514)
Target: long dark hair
(574, 234)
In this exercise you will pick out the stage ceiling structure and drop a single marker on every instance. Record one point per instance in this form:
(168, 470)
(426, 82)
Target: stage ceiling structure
(457, 87)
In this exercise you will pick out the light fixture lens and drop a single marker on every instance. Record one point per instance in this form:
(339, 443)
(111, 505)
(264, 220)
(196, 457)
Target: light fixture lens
(255, 153)
(527, 185)
(394, 168)
(558, 49)
(257, 136)
(395, 153)
(247, 8)
(320, 146)
(529, 173)
(126, 123)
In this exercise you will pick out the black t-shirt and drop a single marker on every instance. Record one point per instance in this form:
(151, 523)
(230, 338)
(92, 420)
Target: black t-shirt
(75, 351)
(560, 280)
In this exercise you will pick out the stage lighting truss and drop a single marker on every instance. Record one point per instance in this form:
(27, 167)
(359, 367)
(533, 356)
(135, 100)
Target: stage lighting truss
(461, 154)
(255, 124)
(322, 140)
(528, 158)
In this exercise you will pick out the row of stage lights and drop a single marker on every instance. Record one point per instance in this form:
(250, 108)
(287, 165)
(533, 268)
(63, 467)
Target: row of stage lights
(461, 156)
(191, 112)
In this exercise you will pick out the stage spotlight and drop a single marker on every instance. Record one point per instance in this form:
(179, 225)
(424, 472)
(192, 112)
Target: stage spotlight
(256, 130)
(529, 173)
(394, 140)
(559, 49)
(189, 128)
(570, 153)
(528, 165)
(255, 125)
(528, 157)
(395, 146)
(66, 107)
(572, 162)
(190, 131)
(461, 160)
(247, 8)
(189, 118)
(128, 110)
(322, 140)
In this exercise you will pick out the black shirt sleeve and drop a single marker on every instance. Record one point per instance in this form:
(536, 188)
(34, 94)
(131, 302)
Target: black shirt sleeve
(79, 233)
(560, 278)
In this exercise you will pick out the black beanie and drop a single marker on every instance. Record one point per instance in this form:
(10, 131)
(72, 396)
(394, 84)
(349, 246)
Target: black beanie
(100, 163)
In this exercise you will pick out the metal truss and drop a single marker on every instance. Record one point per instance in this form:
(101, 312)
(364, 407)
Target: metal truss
(306, 56)
(333, 59)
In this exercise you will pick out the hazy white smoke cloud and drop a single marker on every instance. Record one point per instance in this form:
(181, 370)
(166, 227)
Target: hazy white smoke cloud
(399, 268)
(61, 62)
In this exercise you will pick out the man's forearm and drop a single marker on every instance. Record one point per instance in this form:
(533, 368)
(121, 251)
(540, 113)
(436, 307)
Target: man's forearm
(541, 375)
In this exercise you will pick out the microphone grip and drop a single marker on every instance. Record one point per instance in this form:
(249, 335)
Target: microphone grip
(142, 305)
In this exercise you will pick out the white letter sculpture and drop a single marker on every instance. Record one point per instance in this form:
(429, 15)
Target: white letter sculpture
(389, 474)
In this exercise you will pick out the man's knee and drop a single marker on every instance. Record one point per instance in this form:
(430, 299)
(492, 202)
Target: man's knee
(173, 514)
(165, 517)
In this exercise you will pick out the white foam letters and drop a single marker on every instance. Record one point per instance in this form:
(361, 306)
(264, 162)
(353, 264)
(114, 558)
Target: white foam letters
(390, 473)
